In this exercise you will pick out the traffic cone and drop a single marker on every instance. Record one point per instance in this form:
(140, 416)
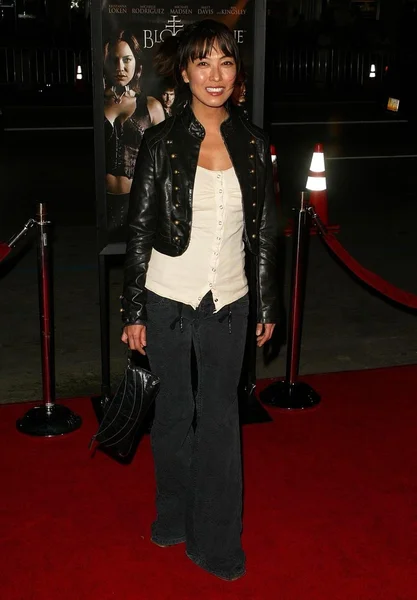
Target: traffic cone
(79, 79)
(316, 184)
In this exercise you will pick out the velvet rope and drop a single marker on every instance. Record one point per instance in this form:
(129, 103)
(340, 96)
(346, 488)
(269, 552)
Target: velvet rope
(4, 250)
(375, 281)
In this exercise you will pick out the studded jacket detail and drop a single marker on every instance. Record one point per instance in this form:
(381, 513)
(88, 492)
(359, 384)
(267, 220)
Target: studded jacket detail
(160, 208)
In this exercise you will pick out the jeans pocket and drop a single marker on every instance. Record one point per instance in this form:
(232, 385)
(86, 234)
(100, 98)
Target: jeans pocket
(153, 299)
(243, 301)
(241, 306)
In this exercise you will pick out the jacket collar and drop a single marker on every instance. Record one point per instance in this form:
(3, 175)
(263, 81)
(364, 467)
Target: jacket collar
(195, 128)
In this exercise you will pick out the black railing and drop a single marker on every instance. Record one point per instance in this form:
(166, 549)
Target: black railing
(29, 68)
(291, 69)
(308, 69)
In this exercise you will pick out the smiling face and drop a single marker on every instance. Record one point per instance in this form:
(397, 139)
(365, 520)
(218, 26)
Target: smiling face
(211, 79)
(120, 64)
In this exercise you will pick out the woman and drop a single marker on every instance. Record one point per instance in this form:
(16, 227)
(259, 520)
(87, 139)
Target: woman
(202, 199)
(128, 112)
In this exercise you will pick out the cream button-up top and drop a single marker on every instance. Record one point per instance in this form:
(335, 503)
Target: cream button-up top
(215, 258)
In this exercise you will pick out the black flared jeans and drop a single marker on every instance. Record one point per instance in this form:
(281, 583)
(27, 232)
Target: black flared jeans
(195, 435)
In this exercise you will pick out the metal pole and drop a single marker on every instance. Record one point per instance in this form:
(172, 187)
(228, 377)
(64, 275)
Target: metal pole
(299, 275)
(50, 419)
(45, 307)
(291, 393)
(99, 402)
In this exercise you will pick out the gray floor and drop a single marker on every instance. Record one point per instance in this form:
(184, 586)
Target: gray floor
(346, 326)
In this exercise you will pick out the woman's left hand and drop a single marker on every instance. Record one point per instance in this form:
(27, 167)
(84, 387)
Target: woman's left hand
(264, 333)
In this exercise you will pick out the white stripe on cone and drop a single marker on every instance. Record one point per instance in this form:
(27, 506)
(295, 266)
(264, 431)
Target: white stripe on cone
(317, 162)
(316, 183)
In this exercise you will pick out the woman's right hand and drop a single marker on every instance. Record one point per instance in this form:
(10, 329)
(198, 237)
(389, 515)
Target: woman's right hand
(135, 337)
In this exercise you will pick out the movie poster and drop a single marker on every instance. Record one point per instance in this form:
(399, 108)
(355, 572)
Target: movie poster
(136, 98)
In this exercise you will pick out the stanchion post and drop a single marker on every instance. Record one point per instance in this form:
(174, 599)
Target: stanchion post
(99, 402)
(299, 276)
(50, 419)
(45, 307)
(291, 393)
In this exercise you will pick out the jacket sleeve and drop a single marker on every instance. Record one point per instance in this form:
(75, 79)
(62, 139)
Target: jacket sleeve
(142, 222)
(270, 251)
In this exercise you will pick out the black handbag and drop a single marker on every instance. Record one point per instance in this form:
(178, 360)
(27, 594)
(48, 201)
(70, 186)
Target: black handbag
(123, 414)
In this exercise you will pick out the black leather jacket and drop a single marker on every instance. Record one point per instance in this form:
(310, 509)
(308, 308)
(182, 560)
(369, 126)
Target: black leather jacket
(160, 209)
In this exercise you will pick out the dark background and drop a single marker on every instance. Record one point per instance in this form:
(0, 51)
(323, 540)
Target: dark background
(318, 89)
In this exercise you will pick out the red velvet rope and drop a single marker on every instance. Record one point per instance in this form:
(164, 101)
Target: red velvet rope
(4, 250)
(375, 281)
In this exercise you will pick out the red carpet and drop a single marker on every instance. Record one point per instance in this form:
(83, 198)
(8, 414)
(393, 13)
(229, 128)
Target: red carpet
(330, 506)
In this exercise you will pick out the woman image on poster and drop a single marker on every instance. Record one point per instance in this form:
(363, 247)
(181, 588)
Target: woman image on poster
(128, 112)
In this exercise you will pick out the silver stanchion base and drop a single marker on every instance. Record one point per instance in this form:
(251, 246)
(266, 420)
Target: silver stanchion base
(48, 421)
(291, 396)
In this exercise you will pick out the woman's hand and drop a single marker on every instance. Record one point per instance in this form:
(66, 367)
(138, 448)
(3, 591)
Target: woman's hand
(264, 333)
(135, 337)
